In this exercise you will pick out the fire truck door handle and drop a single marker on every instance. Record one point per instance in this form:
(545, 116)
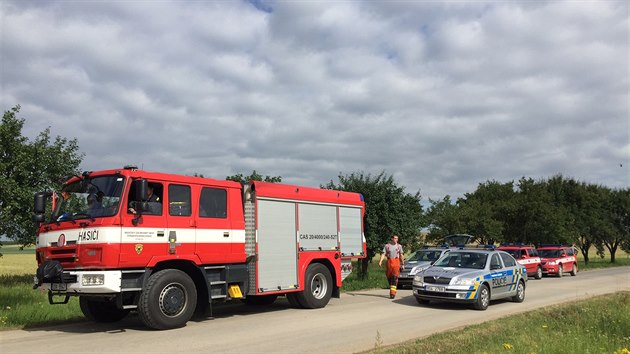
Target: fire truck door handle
(226, 234)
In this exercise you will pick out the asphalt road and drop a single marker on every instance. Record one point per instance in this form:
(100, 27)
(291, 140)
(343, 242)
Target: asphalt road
(355, 322)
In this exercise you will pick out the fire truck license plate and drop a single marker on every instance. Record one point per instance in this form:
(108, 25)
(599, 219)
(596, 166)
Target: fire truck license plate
(439, 289)
(59, 286)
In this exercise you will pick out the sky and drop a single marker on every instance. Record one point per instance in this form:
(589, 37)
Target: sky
(441, 95)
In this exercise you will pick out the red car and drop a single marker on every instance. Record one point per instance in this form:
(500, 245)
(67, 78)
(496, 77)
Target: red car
(526, 255)
(558, 259)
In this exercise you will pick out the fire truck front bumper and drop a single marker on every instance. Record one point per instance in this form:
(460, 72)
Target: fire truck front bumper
(55, 279)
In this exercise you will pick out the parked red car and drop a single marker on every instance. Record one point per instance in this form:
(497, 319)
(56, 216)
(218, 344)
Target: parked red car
(558, 259)
(526, 255)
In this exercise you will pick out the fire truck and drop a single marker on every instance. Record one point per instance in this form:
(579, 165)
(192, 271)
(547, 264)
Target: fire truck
(167, 246)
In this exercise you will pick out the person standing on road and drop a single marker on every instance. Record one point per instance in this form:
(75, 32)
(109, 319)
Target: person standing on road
(395, 262)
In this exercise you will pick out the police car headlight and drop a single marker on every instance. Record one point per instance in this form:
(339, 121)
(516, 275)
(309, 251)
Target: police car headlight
(417, 279)
(464, 282)
(93, 279)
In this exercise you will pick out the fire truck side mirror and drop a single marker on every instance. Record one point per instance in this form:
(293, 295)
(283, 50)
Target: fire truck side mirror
(40, 206)
(40, 202)
(141, 187)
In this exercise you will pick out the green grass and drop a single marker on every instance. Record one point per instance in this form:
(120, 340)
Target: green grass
(375, 280)
(597, 325)
(21, 306)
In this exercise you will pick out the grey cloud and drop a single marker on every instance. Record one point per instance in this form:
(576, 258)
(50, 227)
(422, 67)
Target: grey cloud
(441, 95)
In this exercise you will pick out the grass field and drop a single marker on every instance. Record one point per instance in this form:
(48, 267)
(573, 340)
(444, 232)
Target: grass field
(597, 325)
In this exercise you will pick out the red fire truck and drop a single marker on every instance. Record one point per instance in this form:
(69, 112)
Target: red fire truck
(166, 245)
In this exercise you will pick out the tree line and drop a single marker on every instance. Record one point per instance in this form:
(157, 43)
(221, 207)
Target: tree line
(554, 210)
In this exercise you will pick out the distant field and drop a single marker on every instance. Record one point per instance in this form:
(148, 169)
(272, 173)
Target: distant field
(17, 262)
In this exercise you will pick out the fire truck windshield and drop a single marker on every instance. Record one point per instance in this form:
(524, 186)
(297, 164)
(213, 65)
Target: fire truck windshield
(89, 198)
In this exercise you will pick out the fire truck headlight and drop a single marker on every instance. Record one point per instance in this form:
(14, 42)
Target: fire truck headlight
(93, 279)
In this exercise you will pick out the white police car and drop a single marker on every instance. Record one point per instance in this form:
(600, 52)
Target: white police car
(474, 276)
(417, 262)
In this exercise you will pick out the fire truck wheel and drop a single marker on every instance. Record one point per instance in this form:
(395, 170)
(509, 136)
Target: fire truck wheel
(317, 287)
(260, 300)
(293, 300)
(483, 298)
(539, 273)
(168, 301)
(101, 310)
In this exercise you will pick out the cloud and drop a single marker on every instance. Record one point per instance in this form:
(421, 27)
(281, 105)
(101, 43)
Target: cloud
(441, 95)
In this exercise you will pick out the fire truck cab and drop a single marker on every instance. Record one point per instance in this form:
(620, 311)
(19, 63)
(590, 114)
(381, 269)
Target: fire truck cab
(166, 245)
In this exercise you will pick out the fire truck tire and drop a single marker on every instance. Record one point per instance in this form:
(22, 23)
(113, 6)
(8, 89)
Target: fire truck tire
(317, 287)
(101, 310)
(574, 270)
(483, 298)
(168, 301)
(260, 300)
(293, 300)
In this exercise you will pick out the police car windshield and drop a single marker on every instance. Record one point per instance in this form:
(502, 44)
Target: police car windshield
(89, 198)
(550, 253)
(473, 260)
(424, 256)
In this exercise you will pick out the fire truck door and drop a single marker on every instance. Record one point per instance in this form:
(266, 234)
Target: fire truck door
(180, 231)
(215, 236)
(277, 245)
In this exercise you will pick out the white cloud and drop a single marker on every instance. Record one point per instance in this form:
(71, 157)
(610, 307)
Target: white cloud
(441, 95)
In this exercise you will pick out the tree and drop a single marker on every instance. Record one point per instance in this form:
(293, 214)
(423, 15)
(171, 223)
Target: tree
(388, 210)
(27, 167)
(485, 211)
(253, 177)
(444, 219)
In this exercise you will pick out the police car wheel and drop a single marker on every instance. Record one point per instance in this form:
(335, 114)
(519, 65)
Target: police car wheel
(483, 298)
(101, 310)
(539, 273)
(317, 287)
(520, 292)
(574, 270)
(168, 301)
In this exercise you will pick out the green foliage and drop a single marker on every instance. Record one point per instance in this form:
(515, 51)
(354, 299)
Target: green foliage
(556, 210)
(388, 210)
(255, 176)
(27, 167)
(444, 219)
